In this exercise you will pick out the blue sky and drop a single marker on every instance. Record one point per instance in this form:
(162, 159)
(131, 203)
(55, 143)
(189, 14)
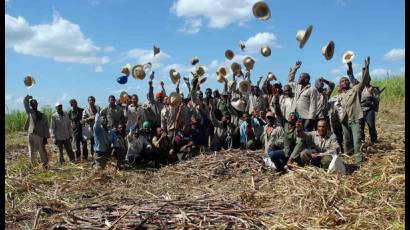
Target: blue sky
(76, 48)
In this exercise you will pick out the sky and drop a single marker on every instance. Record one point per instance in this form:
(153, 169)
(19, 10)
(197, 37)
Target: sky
(76, 48)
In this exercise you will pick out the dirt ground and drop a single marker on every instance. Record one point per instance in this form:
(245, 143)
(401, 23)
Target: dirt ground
(229, 190)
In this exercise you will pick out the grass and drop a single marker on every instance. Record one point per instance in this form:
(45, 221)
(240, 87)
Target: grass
(16, 119)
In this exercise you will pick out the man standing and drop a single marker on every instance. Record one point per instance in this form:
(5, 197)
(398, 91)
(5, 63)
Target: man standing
(105, 140)
(61, 132)
(89, 118)
(305, 96)
(352, 111)
(38, 132)
(75, 114)
(156, 104)
(113, 113)
(134, 113)
(323, 99)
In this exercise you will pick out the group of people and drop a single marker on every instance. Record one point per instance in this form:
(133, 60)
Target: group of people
(298, 123)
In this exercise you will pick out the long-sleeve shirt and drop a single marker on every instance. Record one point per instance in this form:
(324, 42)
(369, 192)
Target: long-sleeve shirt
(104, 140)
(243, 130)
(76, 117)
(61, 127)
(257, 103)
(89, 115)
(168, 117)
(136, 145)
(305, 98)
(221, 131)
(274, 136)
(36, 122)
(134, 115)
(114, 115)
(323, 145)
(155, 105)
(322, 102)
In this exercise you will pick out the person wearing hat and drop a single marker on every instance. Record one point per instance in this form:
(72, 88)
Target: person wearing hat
(274, 136)
(322, 111)
(352, 112)
(38, 130)
(323, 144)
(139, 148)
(89, 118)
(157, 102)
(113, 113)
(61, 132)
(134, 113)
(305, 96)
(223, 131)
(75, 114)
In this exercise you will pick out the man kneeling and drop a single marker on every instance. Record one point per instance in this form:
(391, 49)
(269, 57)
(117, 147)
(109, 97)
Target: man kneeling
(321, 145)
(139, 147)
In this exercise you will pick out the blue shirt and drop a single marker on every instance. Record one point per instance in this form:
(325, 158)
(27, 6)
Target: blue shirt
(103, 139)
(243, 130)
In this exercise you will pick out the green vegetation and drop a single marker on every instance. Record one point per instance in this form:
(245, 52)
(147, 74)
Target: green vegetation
(15, 119)
(394, 89)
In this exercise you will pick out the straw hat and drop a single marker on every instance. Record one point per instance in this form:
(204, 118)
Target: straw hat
(271, 76)
(123, 97)
(348, 56)
(242, 45)
(265, 51)
(222, 73)
(244, 86)
(29, 81)
(303, 35)
(194, 60)
(156, 50)
(229, 54)
(236, 68)
(239, 104)
(126, 69)
(138, 72)
(248, 62)
(328, 50)
(200, 70)
(261, 10)
(174, 75)
(175, 99)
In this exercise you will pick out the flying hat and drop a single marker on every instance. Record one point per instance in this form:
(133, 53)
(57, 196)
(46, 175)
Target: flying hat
(122, 80)
(242, 45)
(29, 81)
(126, 69)
(138, 72)
(328, 50)
(248, 62)
(261, 10)
(348, 56)
(175, 99)
(194, 60)
(174, 75)
(236, 68)
(229, 54)
(303, 35)
(244, 86)
(200, 70)
(239, 104)
(222, 74)
(271, 76)
(265, 51)
(156, 50)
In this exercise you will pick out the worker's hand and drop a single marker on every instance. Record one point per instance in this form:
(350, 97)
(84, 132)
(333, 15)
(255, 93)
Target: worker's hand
(297, 65)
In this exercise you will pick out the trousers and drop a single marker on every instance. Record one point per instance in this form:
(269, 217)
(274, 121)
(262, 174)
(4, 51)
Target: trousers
(35, 144)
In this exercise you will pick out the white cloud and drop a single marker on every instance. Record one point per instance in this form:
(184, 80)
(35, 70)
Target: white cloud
(60, 40)
(98, 69)
(220, 13)
(395, 54)
(143, 56)
(253, 44)
(191, 26)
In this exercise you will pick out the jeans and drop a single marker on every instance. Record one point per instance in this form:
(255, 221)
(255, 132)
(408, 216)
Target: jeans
(278, 158)
(352, 134)
(369, 117)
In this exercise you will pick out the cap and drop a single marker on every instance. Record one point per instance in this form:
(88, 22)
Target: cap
(159, 94)
(58, 104)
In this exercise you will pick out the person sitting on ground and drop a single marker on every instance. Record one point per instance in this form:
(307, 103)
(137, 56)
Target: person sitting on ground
(274, 136)
(105, 140)
(61, 132)
(248, 137)
(323, 144)
(162, 145)
(38, 131)
(139, 148)
(223, 131)
(184, 146)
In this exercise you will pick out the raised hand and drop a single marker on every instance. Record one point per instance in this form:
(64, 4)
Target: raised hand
(151, 76)
(162, 84)
(367, 62)
(297, 65)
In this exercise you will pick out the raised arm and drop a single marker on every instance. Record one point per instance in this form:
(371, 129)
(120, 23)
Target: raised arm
(150, 94)
(163, 89)
(365, 74)
(292, 72)
(26, 103)
(331, 86)
(352, 79)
